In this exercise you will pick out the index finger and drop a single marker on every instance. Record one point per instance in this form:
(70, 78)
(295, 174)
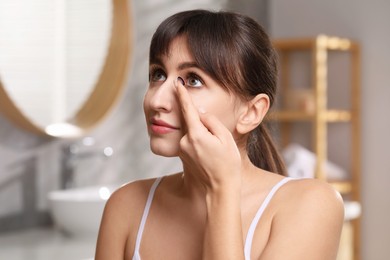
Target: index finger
(189, 111)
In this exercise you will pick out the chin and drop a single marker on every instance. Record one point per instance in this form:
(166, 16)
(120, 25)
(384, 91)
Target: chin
(164, 150)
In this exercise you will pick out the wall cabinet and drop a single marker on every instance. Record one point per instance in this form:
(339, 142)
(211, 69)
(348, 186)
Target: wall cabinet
(314, 106)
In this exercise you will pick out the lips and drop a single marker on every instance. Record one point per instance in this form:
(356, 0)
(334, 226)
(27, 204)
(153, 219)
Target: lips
(161, 127)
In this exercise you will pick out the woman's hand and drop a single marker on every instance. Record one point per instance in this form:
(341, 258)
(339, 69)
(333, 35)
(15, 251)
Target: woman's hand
(208, 146)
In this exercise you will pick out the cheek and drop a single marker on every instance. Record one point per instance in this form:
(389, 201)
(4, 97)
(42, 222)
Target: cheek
(200, 104)
(223, 109)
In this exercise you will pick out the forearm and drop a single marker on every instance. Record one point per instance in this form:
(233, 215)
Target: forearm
(223, 234)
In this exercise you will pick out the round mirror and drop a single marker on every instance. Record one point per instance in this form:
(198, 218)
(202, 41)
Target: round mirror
(63, 63)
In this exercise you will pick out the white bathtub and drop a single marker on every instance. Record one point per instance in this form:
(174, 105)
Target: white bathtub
(77, 212)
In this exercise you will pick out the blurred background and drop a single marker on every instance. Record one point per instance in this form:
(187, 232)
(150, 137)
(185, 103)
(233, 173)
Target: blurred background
(60, 159)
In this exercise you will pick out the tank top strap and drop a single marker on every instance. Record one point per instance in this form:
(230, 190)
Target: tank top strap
(145, 214)
(259, 213)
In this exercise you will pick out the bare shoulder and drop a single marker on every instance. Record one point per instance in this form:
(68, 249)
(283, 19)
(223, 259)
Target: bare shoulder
(305, 198)
(128, 201)
(307, 209)
(314, 194)
(120, 219)
(131, 192)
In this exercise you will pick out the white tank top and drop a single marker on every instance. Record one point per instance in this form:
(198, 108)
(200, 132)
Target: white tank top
(249, 236)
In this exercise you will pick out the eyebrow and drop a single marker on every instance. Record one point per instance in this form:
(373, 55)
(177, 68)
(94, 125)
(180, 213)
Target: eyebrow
(182, 66)
(156, 61)
(187, 65)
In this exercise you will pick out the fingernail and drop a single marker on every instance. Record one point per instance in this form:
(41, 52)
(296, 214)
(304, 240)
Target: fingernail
(181, 80)
(201, 110)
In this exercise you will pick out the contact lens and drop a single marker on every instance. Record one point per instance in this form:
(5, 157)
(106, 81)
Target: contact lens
(181, 80)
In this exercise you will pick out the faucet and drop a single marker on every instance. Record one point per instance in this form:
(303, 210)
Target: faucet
(71, 153)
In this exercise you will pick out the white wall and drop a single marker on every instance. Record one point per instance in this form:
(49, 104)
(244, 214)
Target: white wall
(368, 23)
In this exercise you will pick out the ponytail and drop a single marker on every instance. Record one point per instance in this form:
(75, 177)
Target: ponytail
(262, 151)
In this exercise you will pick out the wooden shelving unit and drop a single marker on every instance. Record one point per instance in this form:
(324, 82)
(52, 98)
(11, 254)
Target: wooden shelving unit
(320, 115)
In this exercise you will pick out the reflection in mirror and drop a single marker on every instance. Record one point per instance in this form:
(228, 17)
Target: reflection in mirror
(53, 56)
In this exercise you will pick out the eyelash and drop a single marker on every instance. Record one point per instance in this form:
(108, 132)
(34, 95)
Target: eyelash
(195, 76)
(189, 75)
(153, 71)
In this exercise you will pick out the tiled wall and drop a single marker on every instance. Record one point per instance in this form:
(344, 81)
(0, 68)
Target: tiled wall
(30, 166)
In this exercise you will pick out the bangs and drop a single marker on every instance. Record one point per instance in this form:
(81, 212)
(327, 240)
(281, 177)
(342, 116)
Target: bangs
(208, 36)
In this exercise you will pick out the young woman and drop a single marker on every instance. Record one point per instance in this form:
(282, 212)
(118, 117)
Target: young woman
(212, 80)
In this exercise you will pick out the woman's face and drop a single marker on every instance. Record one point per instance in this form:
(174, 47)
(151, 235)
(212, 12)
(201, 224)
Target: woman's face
(166, 125)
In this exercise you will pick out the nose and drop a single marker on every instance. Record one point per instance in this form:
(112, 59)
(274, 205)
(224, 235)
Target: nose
(162, 97)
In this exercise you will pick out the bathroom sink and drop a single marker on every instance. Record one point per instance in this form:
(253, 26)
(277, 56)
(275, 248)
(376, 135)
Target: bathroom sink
(77, 212)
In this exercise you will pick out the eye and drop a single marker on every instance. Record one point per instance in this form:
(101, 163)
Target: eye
(157, 75)
(194, 81)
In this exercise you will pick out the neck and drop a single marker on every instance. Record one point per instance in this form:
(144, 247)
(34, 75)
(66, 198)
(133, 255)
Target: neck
(194, 189)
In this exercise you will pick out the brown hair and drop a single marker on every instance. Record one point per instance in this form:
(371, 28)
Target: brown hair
(237, 53)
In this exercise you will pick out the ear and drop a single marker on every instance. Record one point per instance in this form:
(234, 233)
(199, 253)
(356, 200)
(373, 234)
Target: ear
(253, 113)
